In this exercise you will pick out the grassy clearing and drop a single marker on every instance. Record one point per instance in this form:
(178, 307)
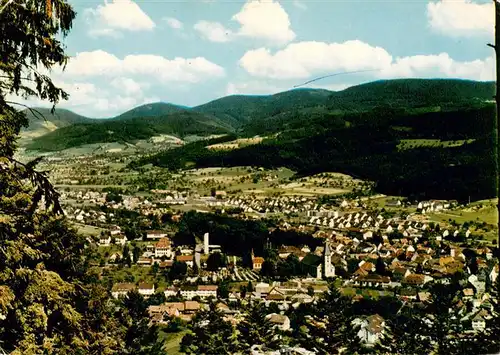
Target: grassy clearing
(172, 341)
(236, 144)
(487, 213)
(365, 292)
(88, 230)
(140, 274)
(418, 143)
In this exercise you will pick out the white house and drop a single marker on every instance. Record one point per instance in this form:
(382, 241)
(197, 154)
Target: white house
(371, 329)
(155, 234)
(163, 248)
(202, 291)
(121, 239)
(171, 291)
(279, 321)
(478, 323)
(115, 230)
(146, 289)
(105, 240)
(121, 289)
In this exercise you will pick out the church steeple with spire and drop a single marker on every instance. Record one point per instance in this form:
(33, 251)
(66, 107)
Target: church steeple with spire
(328, 268)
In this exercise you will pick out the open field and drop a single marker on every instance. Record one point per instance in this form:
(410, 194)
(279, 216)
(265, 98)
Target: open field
(237, 143)
(483, 211)
(139, 274)
(415, 143)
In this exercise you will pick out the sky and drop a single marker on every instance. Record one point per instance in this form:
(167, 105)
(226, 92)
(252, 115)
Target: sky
(126, 53)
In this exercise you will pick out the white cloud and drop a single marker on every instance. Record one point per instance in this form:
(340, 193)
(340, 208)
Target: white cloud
(440, 66)
(101, 63)
(308, 59)
(461, 17)
(112, 18)
(264, 20)
(213, 31)
(303, 59)
(103, 85)
(174, 23)
(128, 86)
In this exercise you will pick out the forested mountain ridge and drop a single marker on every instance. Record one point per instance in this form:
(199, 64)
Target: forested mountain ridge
(252, 115)
(379, 145)
(180, 124)
(155, 109)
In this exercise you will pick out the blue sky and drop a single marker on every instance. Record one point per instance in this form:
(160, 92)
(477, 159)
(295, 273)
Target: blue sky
(127, 53)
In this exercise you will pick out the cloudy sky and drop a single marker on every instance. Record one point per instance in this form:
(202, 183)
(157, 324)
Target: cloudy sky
(126, 53)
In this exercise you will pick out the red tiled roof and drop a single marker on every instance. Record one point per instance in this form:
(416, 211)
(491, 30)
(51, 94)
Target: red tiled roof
(163, 243)
(184, 258)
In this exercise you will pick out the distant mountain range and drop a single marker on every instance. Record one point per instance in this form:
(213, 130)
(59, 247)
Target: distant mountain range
(251, 115)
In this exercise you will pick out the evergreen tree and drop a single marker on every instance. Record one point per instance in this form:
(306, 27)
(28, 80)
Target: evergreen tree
(210, 334)
(407, 333)
(444, 320)
(328, 326)
(256, 329)
(51, 299)
(380, 267)
(139, 337)
(136, 253)
(126, 256)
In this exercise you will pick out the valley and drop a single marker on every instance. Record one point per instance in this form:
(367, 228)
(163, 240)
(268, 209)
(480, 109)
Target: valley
(373, 181)
(191, 192)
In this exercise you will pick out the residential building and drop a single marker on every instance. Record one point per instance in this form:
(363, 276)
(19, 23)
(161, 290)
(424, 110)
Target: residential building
(257, 262)
(203, 291)
(156, 234)
(188, 259)
(105, 240)
(371, 329)
(478, 322)
(163, 248)
(121, 289)
(146, 289)
(280, 321)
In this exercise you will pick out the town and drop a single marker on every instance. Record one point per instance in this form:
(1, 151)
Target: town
(366, 245)
(255, 177)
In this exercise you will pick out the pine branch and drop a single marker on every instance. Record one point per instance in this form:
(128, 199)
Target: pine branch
(35, 112)
(6, 4)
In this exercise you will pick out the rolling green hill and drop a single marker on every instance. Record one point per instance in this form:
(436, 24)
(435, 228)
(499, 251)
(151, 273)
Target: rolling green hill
(294, 114)
(358, 131)
(402, 95)
(129, 130)
(241, 109)
(39, 126)
(411, 93)
(151, 110)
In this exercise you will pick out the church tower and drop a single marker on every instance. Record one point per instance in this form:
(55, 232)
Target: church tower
(328, 267)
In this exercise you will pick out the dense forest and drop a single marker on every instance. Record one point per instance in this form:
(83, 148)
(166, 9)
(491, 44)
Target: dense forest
(367, 145)
(266, 114)
(129, 130)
